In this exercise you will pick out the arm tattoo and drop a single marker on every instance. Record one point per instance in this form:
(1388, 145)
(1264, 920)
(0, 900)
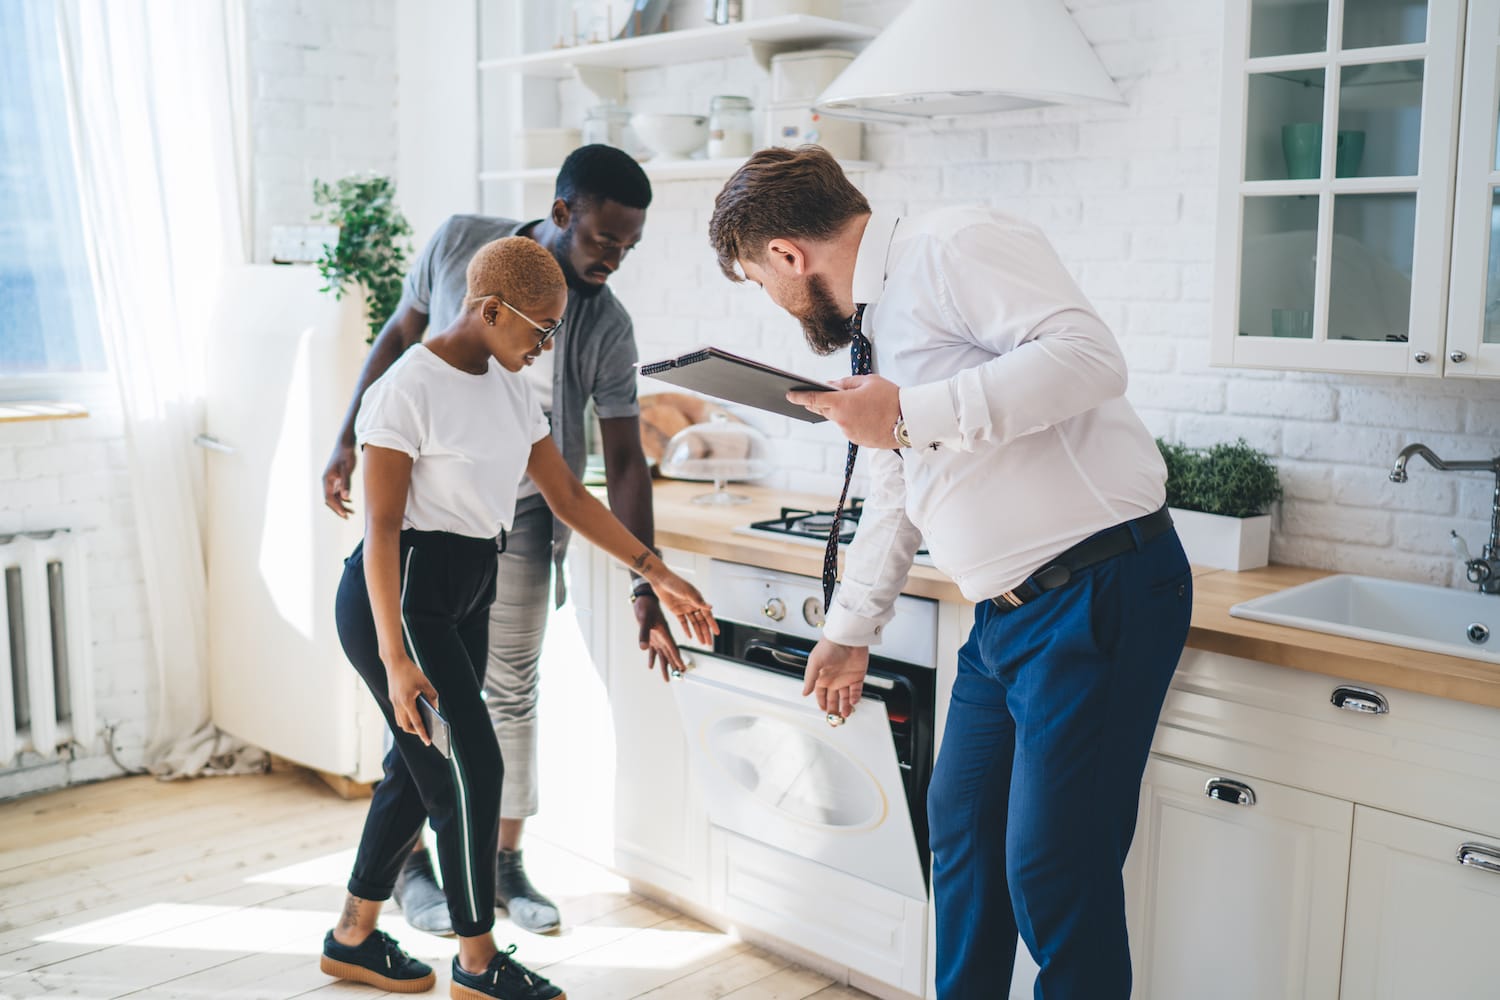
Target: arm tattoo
(640, 561)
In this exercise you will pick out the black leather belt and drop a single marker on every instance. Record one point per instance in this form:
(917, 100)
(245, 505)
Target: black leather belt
(1094, 549)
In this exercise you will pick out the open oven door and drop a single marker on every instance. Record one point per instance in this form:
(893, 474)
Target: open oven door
(772, 769)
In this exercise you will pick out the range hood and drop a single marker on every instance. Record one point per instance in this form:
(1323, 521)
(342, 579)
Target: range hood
(943, 58)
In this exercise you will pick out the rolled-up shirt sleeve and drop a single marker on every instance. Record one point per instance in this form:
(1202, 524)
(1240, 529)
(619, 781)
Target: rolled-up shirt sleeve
(416, 289)
(879, 559)
(388, 418)
(614, 388)
(1005, 290)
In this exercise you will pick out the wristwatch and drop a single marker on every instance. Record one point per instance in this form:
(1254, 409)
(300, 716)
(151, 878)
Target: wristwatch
(639, 589)
(900, 433)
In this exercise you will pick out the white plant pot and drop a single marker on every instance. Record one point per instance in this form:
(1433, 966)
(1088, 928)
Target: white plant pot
(1224, 542)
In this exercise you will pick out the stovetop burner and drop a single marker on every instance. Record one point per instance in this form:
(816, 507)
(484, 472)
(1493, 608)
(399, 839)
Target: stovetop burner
(813, 523)
(811, 526)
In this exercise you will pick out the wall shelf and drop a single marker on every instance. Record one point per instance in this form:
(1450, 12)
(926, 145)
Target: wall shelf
(600, 67)
(670, 170)
(686, 45)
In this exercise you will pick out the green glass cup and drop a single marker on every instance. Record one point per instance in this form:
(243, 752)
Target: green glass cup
(1351, 149)
(1302, 145)
(1294, 323)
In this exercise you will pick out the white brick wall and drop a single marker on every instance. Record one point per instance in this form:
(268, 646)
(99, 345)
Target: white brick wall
(75, 474)
(323, 93)
(1127, 195)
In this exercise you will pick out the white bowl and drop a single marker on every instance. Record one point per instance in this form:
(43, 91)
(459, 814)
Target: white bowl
(671, 137)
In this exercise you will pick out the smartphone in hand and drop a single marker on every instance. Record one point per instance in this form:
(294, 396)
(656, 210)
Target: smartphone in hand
(436, 726)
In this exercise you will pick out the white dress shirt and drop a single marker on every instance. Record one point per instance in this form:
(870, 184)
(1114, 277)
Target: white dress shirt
(1013, 391)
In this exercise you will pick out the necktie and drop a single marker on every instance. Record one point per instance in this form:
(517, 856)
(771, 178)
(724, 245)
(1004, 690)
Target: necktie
(859, 364)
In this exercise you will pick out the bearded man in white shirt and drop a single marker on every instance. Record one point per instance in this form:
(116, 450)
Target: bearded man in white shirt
(995, 427)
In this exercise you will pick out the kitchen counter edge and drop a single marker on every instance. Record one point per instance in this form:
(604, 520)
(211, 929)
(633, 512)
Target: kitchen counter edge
(709, 530)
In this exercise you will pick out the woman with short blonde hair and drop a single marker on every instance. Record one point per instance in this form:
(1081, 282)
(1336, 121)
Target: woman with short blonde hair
(448, 431)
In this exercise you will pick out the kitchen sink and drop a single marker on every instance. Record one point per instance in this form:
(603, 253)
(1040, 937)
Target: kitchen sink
(1414, 615)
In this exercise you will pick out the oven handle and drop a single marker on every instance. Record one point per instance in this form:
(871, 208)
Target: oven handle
(791, 658)
(785, 657)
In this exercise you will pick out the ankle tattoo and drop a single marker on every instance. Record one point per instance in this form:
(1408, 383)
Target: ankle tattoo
(349, 919)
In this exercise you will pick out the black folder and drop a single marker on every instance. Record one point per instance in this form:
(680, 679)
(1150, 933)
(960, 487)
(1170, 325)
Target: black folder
(728, 376)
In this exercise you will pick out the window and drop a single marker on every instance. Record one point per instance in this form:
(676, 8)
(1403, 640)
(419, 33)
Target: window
(48, 325)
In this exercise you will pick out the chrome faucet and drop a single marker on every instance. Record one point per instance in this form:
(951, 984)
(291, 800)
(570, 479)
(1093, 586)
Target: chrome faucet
(1484, 571)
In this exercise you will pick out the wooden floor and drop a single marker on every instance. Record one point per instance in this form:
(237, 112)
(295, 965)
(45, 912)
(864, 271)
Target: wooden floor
(224, 887)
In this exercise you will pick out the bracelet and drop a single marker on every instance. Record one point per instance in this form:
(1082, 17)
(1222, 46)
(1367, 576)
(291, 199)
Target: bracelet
(641, 588)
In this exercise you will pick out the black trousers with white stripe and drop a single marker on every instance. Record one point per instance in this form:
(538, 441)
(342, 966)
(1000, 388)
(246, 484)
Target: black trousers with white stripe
(447, 587)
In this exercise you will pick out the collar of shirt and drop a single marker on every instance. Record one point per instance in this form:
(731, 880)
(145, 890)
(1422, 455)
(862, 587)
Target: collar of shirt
(874, 253)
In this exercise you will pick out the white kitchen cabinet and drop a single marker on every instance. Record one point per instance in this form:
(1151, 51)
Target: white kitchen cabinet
(1336, 218)
(1239, 896)
(1388, 799)
(661, 828)
(1473, 335)
(1424, 903)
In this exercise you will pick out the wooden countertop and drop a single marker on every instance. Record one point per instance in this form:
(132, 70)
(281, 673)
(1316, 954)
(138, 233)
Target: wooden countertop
(709, 530)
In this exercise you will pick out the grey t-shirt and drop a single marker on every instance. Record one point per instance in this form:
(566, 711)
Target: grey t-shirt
(594, 353)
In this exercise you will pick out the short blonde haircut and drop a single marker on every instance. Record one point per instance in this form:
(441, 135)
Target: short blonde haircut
(519, 270)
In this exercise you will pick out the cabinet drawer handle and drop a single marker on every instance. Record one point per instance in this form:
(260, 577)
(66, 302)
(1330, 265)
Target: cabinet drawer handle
(1362, 700)
(1479, 856)
(1228, 790)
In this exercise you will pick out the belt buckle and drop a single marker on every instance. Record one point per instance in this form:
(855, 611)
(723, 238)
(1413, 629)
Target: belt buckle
(1009, 597)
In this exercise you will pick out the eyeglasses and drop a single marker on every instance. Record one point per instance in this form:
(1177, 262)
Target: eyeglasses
(547, 332)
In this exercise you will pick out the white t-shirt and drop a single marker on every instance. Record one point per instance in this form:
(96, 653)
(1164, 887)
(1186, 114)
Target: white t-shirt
(469, 437)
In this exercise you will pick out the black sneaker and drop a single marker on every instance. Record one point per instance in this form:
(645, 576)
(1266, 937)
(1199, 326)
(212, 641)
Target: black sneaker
(504, 979)
(528, 909)
(421, 899)
(379, 961)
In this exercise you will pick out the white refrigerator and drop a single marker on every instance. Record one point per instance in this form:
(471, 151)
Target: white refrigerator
(281, 364)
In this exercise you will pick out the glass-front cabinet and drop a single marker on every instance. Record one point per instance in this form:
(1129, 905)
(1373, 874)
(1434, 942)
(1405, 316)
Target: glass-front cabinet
(1473, 342)
(1337, 183)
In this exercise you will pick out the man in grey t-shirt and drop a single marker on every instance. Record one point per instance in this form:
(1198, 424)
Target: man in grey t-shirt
(598, 213)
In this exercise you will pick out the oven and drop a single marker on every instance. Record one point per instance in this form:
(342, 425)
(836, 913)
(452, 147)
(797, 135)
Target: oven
(771, 767)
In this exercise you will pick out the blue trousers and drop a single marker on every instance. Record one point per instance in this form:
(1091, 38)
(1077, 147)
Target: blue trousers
(1033, 802)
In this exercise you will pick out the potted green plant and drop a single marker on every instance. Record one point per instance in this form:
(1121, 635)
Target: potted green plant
(1220, 499)
(368, 254)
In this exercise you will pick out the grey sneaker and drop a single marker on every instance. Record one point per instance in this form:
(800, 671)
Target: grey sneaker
(422, 901)
(528, 909)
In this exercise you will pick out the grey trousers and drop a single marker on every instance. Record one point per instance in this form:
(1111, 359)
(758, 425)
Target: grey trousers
(518, 623)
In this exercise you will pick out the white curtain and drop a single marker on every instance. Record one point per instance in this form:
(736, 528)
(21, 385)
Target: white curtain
(157, 113)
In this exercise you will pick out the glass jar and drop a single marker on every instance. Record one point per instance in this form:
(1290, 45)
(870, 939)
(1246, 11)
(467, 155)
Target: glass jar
(731, 131)
(609, 124)
(724, 11)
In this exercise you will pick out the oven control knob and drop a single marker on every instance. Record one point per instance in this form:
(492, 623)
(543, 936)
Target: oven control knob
(775, 609)
(812, 612)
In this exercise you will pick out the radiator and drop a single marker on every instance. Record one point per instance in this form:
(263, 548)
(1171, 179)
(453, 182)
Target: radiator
(46, 686)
